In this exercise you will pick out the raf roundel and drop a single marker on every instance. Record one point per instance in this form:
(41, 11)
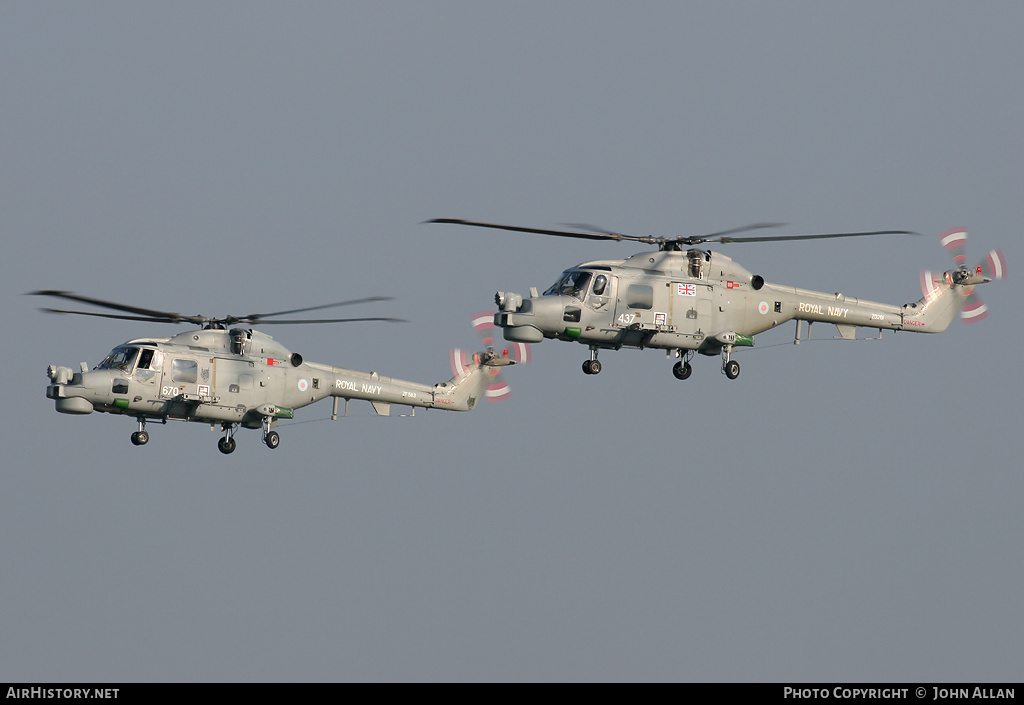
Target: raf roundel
(762, 308)
(303, 385)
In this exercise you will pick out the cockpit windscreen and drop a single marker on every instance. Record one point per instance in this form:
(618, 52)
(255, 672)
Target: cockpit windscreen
(120, 358)
(571, 284)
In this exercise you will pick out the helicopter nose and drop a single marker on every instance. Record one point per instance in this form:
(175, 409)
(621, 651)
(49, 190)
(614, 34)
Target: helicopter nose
(65, 396)
(528, 321)
(72, 392)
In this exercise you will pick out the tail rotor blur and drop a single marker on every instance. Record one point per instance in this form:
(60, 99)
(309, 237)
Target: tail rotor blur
(992, 267)
(483, 323)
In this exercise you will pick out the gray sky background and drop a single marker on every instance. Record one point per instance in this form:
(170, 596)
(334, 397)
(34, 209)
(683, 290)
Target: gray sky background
(842, 511)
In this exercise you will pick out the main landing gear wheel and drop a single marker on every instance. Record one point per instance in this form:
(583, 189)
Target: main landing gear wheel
(682, 370)
(227, 443)
(591, 367)
(731, 369)
(272, 439)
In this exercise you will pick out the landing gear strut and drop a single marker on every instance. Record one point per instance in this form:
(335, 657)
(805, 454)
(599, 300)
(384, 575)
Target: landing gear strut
(271, 438)
(227, 444)
(730, 367)
(141, 437)
(592, 366)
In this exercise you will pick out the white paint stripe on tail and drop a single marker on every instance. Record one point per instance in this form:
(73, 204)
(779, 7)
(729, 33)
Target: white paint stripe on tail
(483, 320)
(458, 361)
(498, 392)
(929, 287)
(996, 264)
(953, 237)
(974, 312)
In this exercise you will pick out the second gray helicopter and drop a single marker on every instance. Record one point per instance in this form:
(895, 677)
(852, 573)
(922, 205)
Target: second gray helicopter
(688, 300)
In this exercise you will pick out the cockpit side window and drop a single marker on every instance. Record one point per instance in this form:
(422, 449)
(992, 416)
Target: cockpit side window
(600, 283)
(640, 296)
(183, 370)
(150, 362)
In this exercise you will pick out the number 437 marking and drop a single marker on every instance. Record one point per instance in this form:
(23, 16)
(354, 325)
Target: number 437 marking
(625, 319)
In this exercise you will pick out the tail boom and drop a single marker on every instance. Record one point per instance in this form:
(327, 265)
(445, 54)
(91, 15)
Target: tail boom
(460, 393)
(945, 295)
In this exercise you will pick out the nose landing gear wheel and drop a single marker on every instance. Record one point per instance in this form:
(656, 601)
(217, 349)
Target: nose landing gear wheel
(272, 439)
(591, 367)
(682, 370)
(140, 437)
(731, 369)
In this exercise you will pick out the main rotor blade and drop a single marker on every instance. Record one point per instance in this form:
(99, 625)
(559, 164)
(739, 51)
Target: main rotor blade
(259, 316)
(111, 315)
(321, 320)
(558, 233)
(155, 316)
(166, 316)
(745, 228)
(588, 226)
(721, 237)
(778, 238)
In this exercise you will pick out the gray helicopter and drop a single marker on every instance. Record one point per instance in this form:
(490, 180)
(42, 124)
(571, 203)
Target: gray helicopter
(687, 300)
(230, 375)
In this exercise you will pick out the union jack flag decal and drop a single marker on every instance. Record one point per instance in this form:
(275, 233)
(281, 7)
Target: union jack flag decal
(686, 290)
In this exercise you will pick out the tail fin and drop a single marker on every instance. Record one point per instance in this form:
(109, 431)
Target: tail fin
(938, 307)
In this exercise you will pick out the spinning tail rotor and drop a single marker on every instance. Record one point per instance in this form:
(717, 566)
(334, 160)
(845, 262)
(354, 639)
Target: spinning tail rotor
(497, 389)
(991, 268)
